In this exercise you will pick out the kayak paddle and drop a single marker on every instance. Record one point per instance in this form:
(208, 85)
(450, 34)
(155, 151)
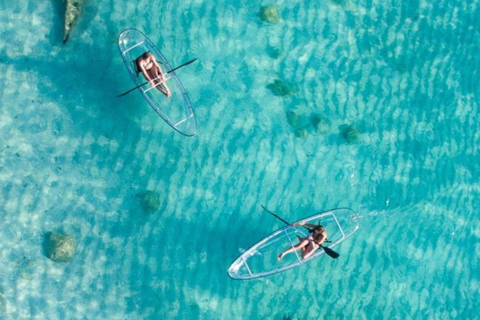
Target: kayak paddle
(182, 65)
(327, 250)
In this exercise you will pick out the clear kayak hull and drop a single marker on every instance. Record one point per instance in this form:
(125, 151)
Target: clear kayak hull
(261, 259)
(176, 110)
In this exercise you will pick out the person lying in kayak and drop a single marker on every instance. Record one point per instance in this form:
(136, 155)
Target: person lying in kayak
(309, 244)
(151, 70)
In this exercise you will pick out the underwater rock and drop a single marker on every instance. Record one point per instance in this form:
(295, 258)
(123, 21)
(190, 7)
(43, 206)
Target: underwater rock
(293, 118)
(72, 12)
(60, 247)
(301, 133)
(150, 201)
(300, 123)
(319, 123)
(270, 14)
(282, 88)
(273, 52)
(349, 133)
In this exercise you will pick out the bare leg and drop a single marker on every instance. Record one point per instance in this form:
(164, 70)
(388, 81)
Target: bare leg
(309, 250)
(300, 239)
(296, 247)
(162, 86)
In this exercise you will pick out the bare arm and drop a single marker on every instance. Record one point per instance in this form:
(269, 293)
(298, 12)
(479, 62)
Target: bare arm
(160, 71)
(303, 223)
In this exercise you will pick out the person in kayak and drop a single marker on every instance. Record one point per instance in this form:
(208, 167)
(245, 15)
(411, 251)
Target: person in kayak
(151, 70)
(309, 244)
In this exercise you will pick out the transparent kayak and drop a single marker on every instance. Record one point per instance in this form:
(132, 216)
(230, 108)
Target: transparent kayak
(176, 110)
(261, 259)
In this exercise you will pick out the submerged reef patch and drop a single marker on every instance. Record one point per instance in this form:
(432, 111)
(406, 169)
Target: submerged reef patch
(59, 247)
(301, 133)
(320, 124)
(304, 123)
(282, 88)
(270, 14)
(72, 12)
(293, 119)
(273, 52)
(150, 201)
(349, 133)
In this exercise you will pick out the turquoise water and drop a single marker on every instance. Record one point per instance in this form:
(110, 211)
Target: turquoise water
(392, 86)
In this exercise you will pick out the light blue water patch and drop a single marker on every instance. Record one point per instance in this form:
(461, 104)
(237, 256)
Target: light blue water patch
(363, 104)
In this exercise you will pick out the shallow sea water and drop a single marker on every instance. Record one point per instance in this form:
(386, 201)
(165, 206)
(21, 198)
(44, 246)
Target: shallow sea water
(395, 87)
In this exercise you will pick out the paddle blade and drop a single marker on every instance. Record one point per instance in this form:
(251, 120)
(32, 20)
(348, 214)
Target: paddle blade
(330, 252)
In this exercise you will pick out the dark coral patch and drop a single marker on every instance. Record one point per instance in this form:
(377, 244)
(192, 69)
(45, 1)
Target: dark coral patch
(282, 88)
(270, 14)
(349, 133)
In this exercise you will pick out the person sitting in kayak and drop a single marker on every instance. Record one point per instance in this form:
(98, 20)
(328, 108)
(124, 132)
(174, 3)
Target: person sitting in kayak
(309, 244)
(151, 70)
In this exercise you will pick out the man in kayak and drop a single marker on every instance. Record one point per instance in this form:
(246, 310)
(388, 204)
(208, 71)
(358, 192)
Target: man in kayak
(309, 244)
(152, 71)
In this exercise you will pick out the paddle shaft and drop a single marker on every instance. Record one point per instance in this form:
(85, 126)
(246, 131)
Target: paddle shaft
(180, 66)
(327, 250)
(273, 214)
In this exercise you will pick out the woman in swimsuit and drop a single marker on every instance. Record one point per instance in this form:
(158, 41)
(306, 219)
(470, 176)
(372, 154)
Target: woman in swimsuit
(152, 71)
(309, 244)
